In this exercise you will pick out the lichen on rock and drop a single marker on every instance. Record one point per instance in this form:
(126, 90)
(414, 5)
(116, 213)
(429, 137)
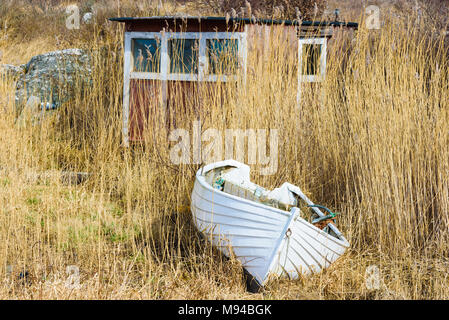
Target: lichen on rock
(54, 77)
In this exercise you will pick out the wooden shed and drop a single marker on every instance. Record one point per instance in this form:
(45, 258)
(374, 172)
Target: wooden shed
(163, 51)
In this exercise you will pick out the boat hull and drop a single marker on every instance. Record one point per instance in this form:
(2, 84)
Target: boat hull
(264, 239)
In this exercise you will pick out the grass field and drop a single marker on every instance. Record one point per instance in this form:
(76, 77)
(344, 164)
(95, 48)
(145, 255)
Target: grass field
(373, 145)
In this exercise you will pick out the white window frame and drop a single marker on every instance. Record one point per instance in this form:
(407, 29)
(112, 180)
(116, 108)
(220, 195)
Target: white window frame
(182, 76)
(322, 73)
(164, 74)
(129, 58)
(203, 63)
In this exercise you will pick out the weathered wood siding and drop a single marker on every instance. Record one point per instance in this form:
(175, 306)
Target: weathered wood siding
(146, 102)
(264, 41)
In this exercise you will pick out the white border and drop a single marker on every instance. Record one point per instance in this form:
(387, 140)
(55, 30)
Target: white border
(323, 56)
(164, 75)
(313, 78)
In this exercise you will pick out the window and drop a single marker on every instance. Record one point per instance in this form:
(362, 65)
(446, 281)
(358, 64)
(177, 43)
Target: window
(183, 55)
(146, 55)
(222, 56)
(312, 59)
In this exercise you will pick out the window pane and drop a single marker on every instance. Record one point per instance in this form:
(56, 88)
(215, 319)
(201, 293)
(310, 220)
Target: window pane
(311, 59)
(146, 53)
(183, 55)
(223, 56)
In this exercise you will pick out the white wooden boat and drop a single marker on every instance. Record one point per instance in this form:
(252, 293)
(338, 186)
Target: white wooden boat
(264, 235)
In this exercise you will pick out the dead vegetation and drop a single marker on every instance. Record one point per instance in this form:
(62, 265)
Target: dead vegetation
(374, 146)
(275, 9)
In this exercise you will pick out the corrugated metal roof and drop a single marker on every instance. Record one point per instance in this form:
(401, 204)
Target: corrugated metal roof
(240, 20)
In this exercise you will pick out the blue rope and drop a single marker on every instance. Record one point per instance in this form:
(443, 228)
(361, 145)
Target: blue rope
(331, 214)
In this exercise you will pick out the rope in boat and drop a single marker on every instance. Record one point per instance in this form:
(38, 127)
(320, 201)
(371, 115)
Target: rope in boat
(331, 214)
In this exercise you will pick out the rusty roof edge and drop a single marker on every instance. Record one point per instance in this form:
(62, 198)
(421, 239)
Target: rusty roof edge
(244, 20)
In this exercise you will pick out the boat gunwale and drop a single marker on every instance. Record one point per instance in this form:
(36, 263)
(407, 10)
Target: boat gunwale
(230, 207)
(250, 202)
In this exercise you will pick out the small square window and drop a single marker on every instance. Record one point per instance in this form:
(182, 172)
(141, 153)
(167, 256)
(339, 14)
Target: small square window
(311, 59)
(183, 55)
(147, 55)
(222, 55)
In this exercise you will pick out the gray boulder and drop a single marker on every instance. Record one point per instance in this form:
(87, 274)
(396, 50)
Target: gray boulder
(54, 77)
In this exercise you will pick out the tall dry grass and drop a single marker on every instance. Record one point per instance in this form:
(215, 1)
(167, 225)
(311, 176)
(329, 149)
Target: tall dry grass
(371, 141)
